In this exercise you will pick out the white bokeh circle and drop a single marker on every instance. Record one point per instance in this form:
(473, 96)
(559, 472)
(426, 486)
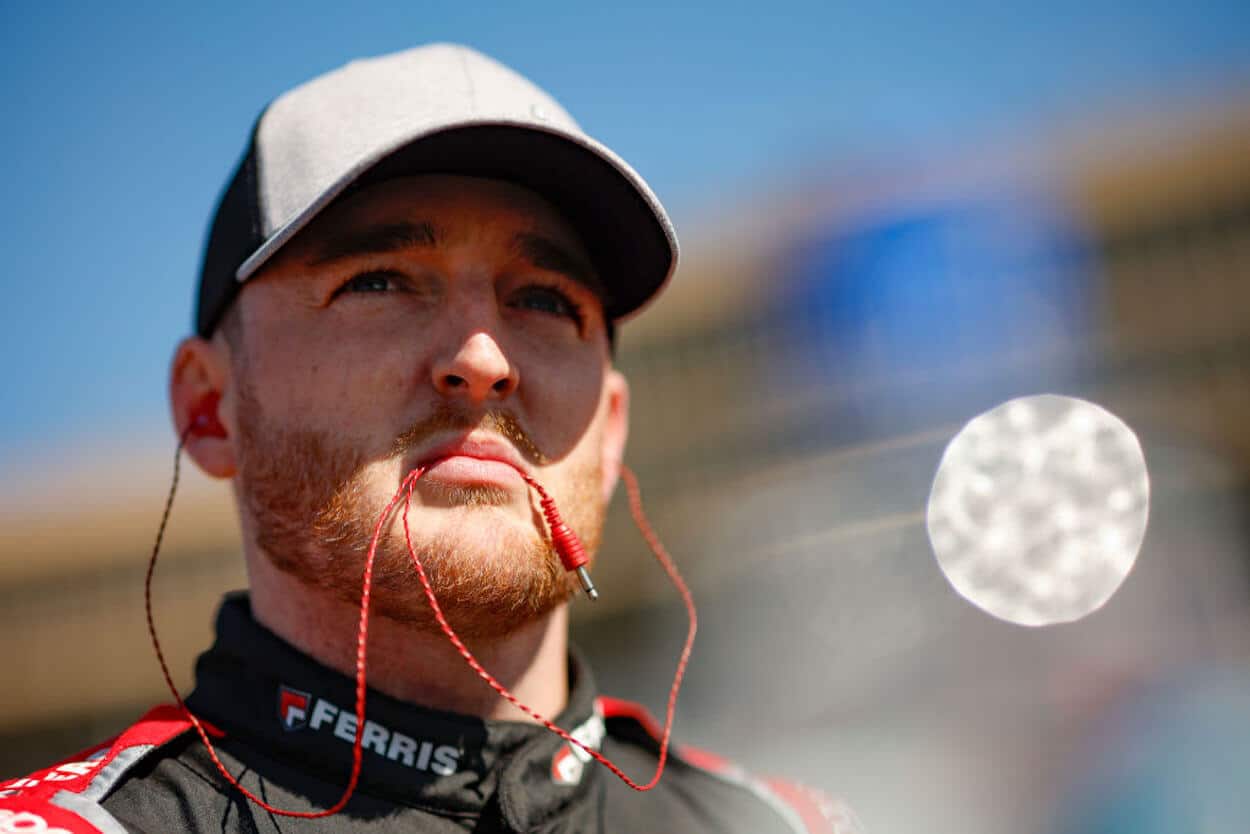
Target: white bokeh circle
(1039, 509)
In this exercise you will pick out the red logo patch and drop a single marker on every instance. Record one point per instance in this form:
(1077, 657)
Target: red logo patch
(293, 707)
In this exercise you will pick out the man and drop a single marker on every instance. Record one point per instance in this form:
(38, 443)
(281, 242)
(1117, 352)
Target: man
(419, 263)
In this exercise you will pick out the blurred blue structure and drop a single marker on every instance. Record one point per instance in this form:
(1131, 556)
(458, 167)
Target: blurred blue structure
(935, 286)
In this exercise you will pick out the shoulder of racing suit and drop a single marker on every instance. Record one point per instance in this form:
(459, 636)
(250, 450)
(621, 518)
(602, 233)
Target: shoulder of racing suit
(800, 809)
(66, 798)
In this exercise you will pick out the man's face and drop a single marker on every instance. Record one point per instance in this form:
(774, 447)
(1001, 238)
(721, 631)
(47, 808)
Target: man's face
(441, 321)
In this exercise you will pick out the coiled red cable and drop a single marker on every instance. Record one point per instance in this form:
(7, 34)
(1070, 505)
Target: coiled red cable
(571, 554)
(362, 642)
(635, 503)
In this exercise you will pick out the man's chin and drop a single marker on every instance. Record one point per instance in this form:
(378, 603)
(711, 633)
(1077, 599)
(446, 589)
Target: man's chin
(491, 571)
(448, 495)
(485, 592)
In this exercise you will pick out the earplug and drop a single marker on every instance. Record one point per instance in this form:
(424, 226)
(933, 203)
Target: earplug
(204, 420)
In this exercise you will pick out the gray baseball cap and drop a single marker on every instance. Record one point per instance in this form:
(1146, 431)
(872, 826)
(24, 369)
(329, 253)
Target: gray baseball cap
(444, 109)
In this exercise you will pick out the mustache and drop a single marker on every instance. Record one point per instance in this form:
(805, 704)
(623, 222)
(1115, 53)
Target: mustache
(450, 418)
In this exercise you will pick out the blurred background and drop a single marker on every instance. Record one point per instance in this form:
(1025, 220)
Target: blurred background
(893, 217)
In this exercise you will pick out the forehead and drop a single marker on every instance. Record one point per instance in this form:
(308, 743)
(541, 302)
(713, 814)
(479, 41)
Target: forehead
(462, 210)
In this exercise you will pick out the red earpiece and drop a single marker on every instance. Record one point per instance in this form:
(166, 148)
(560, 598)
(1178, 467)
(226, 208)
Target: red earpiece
(204, 420)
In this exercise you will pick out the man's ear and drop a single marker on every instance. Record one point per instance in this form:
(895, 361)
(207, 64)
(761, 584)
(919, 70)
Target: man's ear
(615, 429)
(198, 380)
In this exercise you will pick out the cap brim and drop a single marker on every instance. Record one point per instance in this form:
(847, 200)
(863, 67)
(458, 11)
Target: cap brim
(625, 229)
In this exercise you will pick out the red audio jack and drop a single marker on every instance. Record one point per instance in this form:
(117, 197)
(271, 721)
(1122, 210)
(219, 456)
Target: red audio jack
(568, 546)
(572, 555)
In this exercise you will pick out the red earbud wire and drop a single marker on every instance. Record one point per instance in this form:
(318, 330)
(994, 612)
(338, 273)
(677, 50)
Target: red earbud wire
(665, 560)
(572, 556)
(362, 642)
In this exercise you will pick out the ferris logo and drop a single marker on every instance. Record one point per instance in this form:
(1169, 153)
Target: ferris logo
(293, 707)
(297, 710)
(569, 762)
(24, 822)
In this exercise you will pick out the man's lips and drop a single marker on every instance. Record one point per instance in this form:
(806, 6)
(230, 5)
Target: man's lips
(474, 460)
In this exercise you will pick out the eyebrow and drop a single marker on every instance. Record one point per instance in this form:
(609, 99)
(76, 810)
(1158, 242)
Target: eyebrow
(392, 237)
(545, 253)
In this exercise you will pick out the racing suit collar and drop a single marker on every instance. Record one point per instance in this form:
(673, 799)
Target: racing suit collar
(271, 699)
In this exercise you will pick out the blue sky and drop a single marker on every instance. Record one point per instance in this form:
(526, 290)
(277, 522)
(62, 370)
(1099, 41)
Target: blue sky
(122, 122)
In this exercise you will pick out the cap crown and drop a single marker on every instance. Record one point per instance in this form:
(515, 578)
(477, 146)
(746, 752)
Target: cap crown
(331, 127)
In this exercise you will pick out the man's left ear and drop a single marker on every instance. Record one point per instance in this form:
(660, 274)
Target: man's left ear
(615, 429)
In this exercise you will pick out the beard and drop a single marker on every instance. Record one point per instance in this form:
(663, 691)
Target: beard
(314, 514)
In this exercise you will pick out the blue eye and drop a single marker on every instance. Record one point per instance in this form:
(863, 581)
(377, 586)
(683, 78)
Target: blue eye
(547, 300)
(369, 282)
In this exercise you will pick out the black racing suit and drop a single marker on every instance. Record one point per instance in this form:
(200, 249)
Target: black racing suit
(285, 725)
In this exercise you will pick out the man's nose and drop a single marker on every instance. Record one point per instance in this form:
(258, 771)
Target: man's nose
(478, 370)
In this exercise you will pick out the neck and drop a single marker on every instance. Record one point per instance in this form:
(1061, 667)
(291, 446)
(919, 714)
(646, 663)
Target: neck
(414, 665)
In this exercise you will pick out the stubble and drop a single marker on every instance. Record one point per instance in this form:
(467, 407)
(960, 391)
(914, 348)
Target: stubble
(314, 516)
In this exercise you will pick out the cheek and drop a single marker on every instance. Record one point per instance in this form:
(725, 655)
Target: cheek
(324, 381)
(576, 483)
(566, 405)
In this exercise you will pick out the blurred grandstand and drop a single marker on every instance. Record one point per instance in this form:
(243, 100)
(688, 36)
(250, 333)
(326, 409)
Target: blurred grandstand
(792, 395)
